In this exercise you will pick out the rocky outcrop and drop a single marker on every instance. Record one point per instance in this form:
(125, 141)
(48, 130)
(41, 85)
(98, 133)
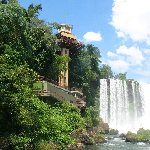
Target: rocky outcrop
(85, 137)
(77, 146)
(122, 136)
(113, 131)
(82, 136)
(141, 136)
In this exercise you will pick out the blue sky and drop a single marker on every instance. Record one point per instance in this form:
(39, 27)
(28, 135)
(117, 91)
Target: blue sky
(119, 28)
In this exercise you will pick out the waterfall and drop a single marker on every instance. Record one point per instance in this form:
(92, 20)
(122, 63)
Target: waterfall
(124, 104)
(146, 95)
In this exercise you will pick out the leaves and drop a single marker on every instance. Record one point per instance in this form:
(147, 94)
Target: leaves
(28, 48)
(85, 73)
(106, 72)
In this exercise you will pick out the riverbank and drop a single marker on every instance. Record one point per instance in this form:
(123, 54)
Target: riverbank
(92, 136)
(85, 137)
(142, 135)
(116, 143)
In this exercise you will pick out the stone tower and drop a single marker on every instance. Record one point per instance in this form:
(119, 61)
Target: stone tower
(68, 43)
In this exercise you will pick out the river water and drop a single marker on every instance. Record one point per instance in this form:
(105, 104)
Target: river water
(119, 144)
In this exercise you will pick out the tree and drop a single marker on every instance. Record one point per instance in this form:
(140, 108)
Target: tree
(3, 1)
(25, 119)
(121, 76)
(27, 49)
(32, 38)
(85, 75)
(106, 72)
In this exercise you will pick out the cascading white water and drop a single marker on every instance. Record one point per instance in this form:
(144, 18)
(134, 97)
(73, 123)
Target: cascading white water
(145, 120)
(125, 105)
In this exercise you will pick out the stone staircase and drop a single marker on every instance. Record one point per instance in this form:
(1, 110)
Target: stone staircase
(45, 88)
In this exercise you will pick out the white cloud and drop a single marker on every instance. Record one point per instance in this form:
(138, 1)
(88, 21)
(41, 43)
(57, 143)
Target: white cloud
(92, 36)
(131, 18)
(147, 51)
(111, 54)
(143, 72)
(119, 65)
(133, 54)
(126, 58)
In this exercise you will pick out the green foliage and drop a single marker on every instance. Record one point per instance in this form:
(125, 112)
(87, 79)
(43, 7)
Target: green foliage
(28, 47)
(71, 114)
(33, 10)
(55, 25)
(121, 76)
(113, 132)
(3, 1)
(92, 117)
(106, 72)
(32, 39)
(45, 145)
(85, 73)
(12, 26)
(58, 65)
(19, 142)
(38, 85)
(26, 119)
(141, 136)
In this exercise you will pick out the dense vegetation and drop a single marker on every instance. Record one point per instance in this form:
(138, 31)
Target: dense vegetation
(85, 75)
(28, 48)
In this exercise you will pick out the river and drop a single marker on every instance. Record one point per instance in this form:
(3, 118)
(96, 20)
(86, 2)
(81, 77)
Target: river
(119, 144)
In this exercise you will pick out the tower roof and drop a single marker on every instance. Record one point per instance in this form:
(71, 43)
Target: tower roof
(65, 28)
(66, 39)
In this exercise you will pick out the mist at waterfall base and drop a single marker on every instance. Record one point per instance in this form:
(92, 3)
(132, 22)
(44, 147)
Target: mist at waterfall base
(125, 105)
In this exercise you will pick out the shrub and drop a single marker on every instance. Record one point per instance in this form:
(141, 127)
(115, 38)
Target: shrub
(141, 136)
